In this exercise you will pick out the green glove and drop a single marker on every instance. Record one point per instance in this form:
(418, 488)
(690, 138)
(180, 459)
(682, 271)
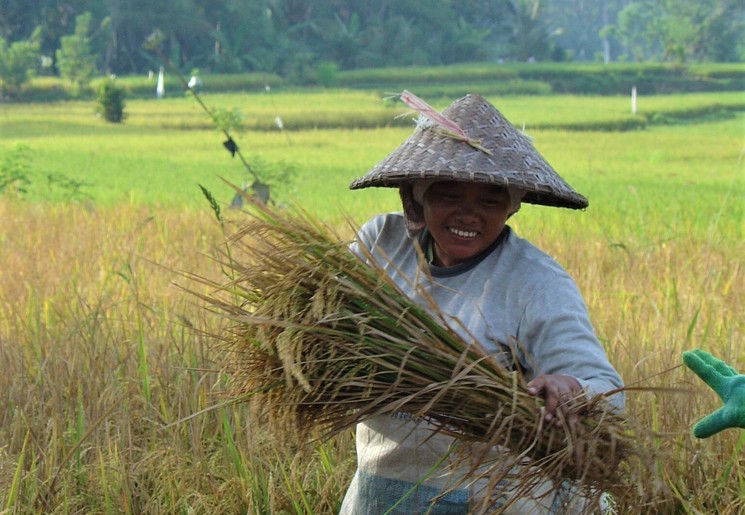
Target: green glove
(727, 383)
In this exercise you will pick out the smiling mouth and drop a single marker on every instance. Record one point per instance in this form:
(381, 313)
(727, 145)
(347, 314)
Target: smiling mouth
(462, 234)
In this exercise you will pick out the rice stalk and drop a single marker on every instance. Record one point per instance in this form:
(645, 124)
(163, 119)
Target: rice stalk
(17, 484)
(325, 341)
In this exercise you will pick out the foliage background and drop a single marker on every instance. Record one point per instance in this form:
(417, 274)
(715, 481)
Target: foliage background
(292, 38)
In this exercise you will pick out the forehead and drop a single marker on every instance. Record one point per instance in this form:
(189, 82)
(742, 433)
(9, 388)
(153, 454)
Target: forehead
(468, 187)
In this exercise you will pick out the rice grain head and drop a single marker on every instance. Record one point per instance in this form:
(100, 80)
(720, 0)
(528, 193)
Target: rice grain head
(324, 341)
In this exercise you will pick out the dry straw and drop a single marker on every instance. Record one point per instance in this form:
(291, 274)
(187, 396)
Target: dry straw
(325, 341)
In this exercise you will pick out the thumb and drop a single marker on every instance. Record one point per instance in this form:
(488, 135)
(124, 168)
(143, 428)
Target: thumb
(710, 425)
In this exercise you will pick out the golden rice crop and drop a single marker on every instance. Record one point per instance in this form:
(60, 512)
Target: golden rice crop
(324, 340)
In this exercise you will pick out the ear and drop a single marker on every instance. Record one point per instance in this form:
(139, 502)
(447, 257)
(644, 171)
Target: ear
(413, 211)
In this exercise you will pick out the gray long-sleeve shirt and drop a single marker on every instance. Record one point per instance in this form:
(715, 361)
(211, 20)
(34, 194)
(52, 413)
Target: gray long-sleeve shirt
(513, 292)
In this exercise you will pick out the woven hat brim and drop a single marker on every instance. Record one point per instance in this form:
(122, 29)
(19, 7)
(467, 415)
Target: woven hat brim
(508, 158)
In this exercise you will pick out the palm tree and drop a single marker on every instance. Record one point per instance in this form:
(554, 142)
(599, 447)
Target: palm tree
(530, 38)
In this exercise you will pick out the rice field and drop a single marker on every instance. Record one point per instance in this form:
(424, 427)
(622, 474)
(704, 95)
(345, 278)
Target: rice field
(113, 400)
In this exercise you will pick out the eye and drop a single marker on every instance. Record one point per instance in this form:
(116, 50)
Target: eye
(493, 202)
(445, 196)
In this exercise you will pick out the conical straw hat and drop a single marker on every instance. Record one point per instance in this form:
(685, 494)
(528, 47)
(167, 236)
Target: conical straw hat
(493, 152)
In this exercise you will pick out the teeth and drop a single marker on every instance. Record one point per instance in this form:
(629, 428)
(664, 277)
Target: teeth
(463, 234)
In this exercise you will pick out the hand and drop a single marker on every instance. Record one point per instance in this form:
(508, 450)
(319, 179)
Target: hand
(556, 390)
(727, 383)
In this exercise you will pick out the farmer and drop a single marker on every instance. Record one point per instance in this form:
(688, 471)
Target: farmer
(461, 175)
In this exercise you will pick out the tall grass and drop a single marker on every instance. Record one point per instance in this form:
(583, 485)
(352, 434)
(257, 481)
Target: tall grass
(112, 400)
(103, 359)
(84, 430)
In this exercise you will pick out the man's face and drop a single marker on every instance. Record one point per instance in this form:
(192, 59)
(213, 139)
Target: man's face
(464, 219)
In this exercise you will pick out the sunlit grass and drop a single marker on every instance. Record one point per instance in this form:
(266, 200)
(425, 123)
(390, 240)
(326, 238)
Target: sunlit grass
(344, 108)
(102, 355)
(103, 359)
(148, 164)
(76, 280)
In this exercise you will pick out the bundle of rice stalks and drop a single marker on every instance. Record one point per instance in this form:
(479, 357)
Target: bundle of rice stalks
(327, 341)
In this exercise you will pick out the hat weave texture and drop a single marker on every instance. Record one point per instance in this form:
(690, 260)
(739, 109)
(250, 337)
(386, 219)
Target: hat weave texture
(507, 157)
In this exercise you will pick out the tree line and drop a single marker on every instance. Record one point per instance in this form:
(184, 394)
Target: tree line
(77, 38)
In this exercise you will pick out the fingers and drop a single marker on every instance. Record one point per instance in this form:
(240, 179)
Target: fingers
(722, 367)
(710, 425)
(707, 366)
(717, 364)
(557, 391)
(712, 371)
(699, 365)
(731, 415)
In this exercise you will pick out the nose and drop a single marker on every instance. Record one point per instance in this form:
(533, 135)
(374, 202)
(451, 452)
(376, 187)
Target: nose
(468, 205)
(467, 210)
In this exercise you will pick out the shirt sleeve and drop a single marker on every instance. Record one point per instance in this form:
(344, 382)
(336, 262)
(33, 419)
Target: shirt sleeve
(559, 339)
